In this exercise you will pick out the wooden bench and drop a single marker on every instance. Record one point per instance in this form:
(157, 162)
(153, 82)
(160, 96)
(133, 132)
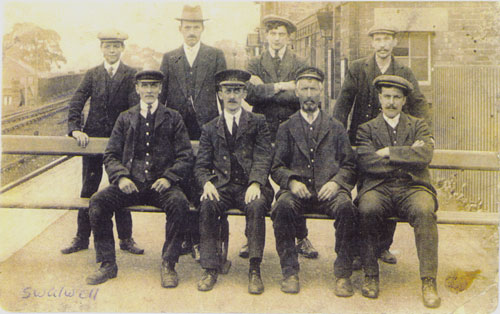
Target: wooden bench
(66, 146)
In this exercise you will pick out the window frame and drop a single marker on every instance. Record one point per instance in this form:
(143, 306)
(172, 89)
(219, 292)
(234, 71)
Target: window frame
(428, 82)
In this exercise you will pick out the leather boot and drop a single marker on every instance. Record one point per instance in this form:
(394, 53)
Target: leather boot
(429, 292)
(130, 246)
(107, 271)
(169, 277)
(76, 245)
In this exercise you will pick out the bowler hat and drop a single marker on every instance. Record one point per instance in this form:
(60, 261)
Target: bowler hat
(393, 81)
(112, 35)
(232, 77)
(193, 14)
(290, 26)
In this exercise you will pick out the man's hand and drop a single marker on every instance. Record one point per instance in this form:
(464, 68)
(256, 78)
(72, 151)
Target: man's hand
(383, 152)
(210, 192)
(328, 191)
(253, 192)
(127, 186)
(81, 138)
(418, 143)
(299, 189)
(161, 185)
(255, 80)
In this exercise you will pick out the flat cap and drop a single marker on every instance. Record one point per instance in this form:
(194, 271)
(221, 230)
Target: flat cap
(310, 73)
(192, 14)
(149, 75)
(393, 81)
(382, 29)
(232, 77)
(271, 18)
(112, 35)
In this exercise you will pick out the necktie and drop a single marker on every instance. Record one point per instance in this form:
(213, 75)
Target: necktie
(110, 71)
(235, 127)
(148, 116)
(276, 59)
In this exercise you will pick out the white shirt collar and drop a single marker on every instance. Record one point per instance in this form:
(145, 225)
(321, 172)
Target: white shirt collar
(392, 122)
(115, 66)
(229, 119)
(281, 52)
(191, 52)
(305, 115)
(144, 108)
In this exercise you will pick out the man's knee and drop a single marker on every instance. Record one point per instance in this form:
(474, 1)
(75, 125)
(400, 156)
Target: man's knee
(369, 206)
(284, 206)
(256, 208)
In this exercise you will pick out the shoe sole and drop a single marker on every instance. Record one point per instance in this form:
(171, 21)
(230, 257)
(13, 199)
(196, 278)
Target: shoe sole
(66, 252)
(111, 276)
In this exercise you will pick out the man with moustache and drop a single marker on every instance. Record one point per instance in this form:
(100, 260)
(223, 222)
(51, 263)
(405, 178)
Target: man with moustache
(233, 166)
(110, 87)
(272, 93)
(148, 155)
(314, 166)
(189, 88)
(394, 152)
(359, 92)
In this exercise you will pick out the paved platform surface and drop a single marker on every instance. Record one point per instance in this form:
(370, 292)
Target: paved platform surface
(36, 277)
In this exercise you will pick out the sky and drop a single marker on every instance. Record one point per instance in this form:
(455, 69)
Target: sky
(148, 23)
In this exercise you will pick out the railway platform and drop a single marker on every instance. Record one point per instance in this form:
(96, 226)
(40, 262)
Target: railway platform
(36, 277)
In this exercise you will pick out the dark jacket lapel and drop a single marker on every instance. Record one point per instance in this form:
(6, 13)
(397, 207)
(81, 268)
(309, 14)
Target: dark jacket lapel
(403, 129)
(287, 63)
(268, 65)
(381, 131)
(220, 127)
(243, 126)
(202, 61)
(177, 63)
(117, 80)
(297, 133)
(160, 115)
(324, 127)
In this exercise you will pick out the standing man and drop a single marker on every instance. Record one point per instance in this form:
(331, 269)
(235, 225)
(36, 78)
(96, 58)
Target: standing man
(394, 152)
(314, 166)
(110, 87)
(189, 87)
(233, 166)
(272, 93)
(359, 92)
(147, 156)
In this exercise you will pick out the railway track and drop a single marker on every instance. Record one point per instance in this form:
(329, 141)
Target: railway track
(19, 119)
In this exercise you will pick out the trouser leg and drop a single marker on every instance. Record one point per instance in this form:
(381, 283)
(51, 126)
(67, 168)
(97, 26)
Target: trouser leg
(419, 208)
(91, 175)
(342, 209)
(302, 231)
(176, 206)
(255, 230)
(123, 220)
(101, 209)
(210, 212)
(286, 214)
(372, 207)
(386, 235)
(83, 224)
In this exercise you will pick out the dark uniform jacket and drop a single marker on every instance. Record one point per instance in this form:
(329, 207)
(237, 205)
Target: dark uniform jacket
(172, 151)
(359, 91)
(404, 160)
(276, 107)
(105, 103)
(333, 156)
(253, 151)
(174, 93)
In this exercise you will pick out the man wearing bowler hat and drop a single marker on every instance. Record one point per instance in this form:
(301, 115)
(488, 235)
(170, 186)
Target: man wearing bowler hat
(394, 152)
(110, 87)
(148, 155)
(189, 88)
(272, 93)
(314, 166)
(233, 166)
(359, 95)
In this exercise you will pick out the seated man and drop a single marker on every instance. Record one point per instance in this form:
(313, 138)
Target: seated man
(232, 166)
(314, 166)
(147, 156)
(394, 152)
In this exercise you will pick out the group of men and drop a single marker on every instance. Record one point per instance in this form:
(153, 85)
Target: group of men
(151, 116)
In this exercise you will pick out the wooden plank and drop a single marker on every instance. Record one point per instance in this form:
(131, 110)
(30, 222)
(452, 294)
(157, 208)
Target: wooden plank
(60, 145)
(443, 217)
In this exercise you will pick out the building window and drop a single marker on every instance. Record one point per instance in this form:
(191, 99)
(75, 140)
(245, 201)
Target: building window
(414, 51)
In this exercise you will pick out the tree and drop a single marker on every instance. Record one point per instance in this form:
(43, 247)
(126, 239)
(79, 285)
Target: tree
(34, 45)
(141, 58)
